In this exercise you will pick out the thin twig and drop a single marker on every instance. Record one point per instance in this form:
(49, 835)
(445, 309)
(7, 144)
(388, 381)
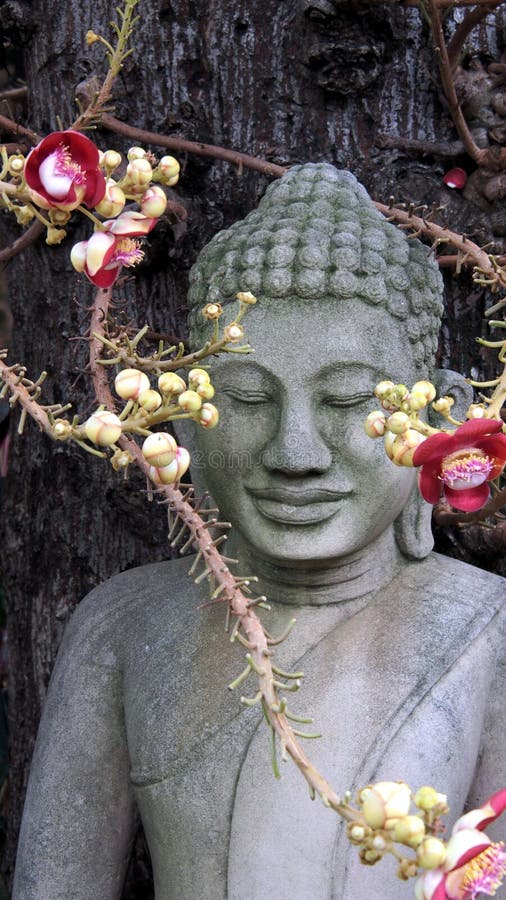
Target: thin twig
(21, 243)
(197, 148)
(15, 128)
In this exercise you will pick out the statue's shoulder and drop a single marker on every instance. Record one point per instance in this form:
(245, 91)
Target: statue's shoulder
(461, 581)
(158, 591)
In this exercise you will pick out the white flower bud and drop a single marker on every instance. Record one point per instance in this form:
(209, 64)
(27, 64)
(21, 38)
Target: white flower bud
(159, 449)
(136, 153)
(209, 416)
(374, 425)
(103, 428)
(431, 853)
(129, 383)
(233, 333)
(190, 401)
(111, 160)
(150, 400)
(164, 474)
(198, 376)
(170, 383)
(246, 297)
(112, 202)
(139, 172)
(154, 202)
(183, 461)
(398, 423)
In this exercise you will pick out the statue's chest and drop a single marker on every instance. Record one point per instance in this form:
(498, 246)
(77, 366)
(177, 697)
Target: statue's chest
(201, 769)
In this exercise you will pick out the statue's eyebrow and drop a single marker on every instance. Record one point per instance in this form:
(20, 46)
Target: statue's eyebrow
(349, 371)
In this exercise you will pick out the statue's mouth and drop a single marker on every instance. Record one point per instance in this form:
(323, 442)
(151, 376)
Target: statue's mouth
(296, 507)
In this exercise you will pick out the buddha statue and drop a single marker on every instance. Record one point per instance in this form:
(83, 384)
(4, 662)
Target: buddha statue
(399, 646)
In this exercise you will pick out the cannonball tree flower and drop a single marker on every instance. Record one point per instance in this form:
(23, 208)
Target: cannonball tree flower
(461, 464)
(63, 171)
(473, 864)
(103, 255)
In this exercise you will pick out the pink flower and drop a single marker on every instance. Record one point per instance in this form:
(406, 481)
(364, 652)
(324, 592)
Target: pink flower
(102, 256)
(473, 864)
(462, 463)
(63, 171)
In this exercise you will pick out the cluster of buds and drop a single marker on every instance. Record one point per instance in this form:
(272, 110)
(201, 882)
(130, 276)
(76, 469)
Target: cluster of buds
(67, 172)
(398, 422)
(469, 861)
(460, 463)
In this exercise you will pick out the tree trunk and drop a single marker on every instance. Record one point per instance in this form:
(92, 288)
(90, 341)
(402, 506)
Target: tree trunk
(289, 82)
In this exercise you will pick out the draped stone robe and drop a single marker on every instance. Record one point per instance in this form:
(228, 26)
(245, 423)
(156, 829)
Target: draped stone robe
(401, 684)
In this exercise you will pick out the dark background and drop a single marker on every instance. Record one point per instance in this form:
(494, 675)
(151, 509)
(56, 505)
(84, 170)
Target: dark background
(351, 83)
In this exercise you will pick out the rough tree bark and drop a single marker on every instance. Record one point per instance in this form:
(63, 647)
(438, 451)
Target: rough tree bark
(290, 82)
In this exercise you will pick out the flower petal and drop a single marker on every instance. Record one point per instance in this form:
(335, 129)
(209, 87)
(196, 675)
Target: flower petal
(463, 846)
(104, 278)
(481, 817)
(130, 224)
(78, 255)
(429, 484)
(468, 500)
(99, 252)
(495, 445)
(434, 447)
(430, 885)
(473, 429)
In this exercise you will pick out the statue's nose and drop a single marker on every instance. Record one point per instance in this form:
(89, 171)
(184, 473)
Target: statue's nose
(297, 448)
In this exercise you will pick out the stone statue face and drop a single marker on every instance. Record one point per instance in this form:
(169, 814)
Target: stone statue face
(290, 465)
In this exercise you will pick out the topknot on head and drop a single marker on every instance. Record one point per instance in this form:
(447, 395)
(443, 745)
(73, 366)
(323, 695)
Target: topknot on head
(316, 233)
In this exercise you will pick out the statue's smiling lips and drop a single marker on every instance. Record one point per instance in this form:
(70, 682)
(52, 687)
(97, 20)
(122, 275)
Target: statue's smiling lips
(296, 507)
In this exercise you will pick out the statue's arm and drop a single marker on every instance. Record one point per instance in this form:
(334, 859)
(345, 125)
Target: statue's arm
(491, 770)
(79, 814)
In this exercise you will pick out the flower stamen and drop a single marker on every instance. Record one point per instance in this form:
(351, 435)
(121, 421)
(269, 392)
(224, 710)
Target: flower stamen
(127, 252)
(465, 469)
(66, 166)
(485, 873)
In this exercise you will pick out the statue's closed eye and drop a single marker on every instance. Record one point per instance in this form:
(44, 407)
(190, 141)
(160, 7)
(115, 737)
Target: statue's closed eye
(346, 401)
(253, 398)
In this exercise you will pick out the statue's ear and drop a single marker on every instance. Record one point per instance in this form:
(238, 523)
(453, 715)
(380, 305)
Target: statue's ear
(452, 384)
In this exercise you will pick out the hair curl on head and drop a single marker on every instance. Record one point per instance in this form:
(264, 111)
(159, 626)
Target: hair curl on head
(316, 233)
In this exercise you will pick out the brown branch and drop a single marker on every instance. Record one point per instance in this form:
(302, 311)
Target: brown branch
(99, 314)
(27, 238)
(10, 375)
(14, 128)
(447, 82)
(441, 4)
(14, 94)
(197, 148)
(470, 21)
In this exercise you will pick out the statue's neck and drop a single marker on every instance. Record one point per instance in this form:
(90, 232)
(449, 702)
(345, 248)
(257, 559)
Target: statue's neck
(321, 582)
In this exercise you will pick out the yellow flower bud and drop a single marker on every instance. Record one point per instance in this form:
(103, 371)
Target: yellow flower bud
(401, 449)
(476, 411)
(209, 416)
(167, 171)
(233, 333)
(443, 404)
(150, 400)
(16, 164)
(159, 449)
(212, 311)
(246, 297)
(136, 153)
(190, 401)
(121, 459)
(198, 376)
(129, 383)
(55, 235)
(426, 388)
(374, 425)
(91, 38)
(23, 214)
(431, 853)
(59, 216)
(409, 830)
(154, 202)
(111, 160)
(383, 389)
(112, 202)
(139, 172)
(62, 429)
(416, 401)
(103, 428)
(385, 802)
(398, 423)
(427, 798)
(170, 383)
(206, 391)
(357, 833)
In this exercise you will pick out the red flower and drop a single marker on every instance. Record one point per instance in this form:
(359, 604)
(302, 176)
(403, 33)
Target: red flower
(462, 463)
(63, 171)
(473, 864)
(103, 255)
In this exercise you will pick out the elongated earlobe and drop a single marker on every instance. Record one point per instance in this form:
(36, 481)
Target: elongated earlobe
(412, 527)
